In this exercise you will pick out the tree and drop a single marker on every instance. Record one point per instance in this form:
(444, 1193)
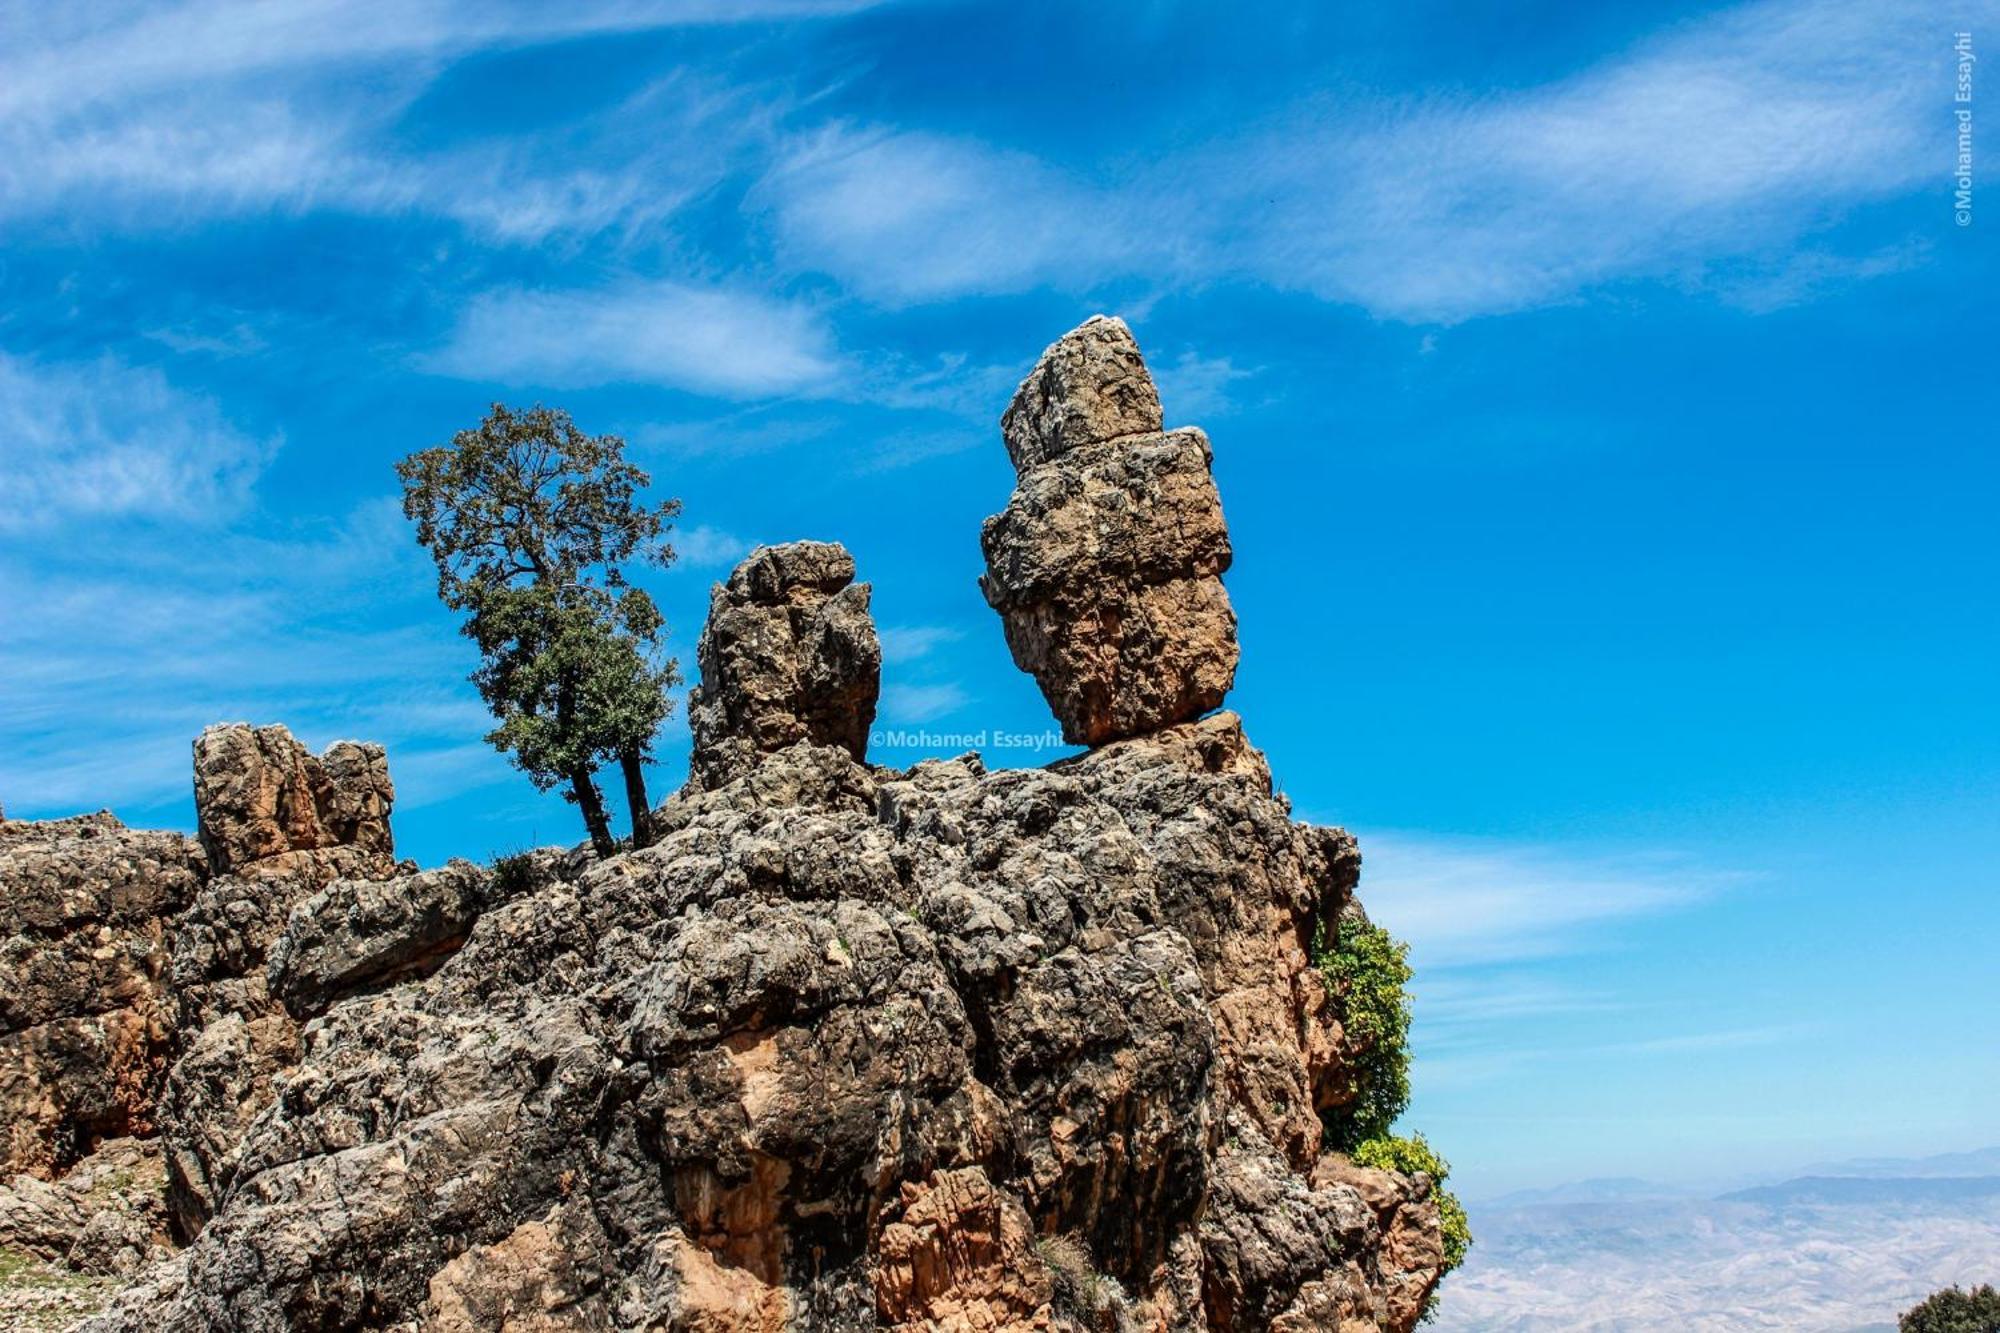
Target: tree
(1955, 1311)
(531, 523)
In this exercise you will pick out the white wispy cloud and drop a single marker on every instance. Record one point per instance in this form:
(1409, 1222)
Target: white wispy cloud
(1462, 902)
(105, 440)
(325, 626)
(706, 547)
(1728, 136)
(722, 341)
(917, 704)
(1194, 387)
(1732, 136)
(168, 114)
(908, 215)
(903, 644)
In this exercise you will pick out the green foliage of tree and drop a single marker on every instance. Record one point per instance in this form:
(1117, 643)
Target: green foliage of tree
(1368, 971)
(531, 523)
(1954, 1311)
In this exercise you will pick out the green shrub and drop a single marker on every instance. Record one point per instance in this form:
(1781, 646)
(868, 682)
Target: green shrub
(514, 874)
(1368, 969)
(1409, 1156)
(1955, 1311)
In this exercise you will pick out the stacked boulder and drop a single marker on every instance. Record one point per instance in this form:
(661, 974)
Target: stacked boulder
(1106, 566)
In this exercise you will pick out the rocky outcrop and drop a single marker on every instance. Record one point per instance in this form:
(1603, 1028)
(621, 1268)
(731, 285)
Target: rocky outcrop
(86, 1020)
(847, 1047)
(359, 933)
(133, 998)
(268, 807)
(278, 825)
(789, 654)
(1106, 564)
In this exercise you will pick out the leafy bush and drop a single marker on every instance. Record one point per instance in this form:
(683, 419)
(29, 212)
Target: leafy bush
(1367, 969)
(515, 874)
(1409, 1156)
(1955, 1311)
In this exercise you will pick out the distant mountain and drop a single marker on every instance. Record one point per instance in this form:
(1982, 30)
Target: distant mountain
(1842, 1250)
(1610, 1189)
(1871, 1189)
(1978, 1162)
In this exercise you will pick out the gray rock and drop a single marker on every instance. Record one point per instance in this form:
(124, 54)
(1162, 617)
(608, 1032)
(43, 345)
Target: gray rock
(357, 933)
(104, 1216)
(720, 1082)
(1089, 386)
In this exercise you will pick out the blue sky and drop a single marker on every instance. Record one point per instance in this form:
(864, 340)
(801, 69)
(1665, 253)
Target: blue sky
(1602, 398)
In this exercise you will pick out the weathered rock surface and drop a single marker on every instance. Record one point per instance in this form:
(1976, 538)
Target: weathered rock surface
(133, 997)
(359, 933)
(264, 800)
(1091, 385)
(789, 654)
(278, 825)
(848, 1047)
(105, 1216)
(1106, 564)
(86, 1023)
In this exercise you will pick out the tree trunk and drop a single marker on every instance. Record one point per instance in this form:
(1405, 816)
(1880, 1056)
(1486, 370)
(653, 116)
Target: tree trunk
(635, 797)
(584, 788)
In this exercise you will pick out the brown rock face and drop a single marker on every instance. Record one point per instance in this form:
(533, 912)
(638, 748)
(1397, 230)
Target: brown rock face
(261, 796)
(961, 1255)
(1106, 565)
(789, 654)
(86, 1018)
(279, 824)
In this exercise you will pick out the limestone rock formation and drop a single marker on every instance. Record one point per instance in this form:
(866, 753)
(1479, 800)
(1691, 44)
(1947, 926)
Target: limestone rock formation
(1106, 564)
(105, 1215)
(86, 1020)
(133, 998)
(848, 1047)
(278, 824)
(789, 654)
(264, 801)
